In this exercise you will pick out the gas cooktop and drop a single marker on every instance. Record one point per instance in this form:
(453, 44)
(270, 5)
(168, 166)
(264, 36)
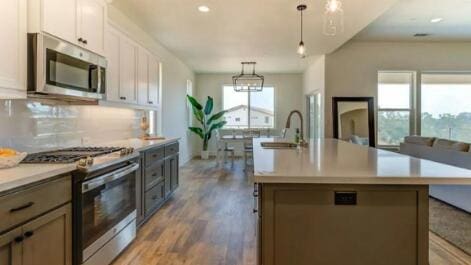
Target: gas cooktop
(68, 155)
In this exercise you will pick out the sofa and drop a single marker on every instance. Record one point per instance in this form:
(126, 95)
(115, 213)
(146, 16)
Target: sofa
(448, 152)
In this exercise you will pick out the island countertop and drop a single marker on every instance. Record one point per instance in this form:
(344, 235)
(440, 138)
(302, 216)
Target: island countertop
(331, 161)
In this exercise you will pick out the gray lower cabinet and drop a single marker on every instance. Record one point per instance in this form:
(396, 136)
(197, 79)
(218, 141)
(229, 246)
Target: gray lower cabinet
(44, 238)
(159, 179)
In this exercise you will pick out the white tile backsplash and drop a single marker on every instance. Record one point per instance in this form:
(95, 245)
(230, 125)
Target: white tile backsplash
(31, 126)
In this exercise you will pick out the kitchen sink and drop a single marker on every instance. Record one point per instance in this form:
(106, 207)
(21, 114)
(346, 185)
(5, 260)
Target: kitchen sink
(278, 145)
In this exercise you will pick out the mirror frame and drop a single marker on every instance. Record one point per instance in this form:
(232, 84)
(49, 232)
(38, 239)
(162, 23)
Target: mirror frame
(371, 117)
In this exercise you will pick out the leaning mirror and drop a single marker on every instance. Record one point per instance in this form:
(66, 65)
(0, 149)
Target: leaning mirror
(353, 119)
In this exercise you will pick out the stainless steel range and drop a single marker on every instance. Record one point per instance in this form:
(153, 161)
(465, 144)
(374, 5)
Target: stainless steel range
(104, 199)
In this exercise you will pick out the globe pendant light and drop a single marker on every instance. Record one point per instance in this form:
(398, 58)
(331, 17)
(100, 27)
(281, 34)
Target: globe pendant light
(333, 18)
(301, 47)
(244, 82)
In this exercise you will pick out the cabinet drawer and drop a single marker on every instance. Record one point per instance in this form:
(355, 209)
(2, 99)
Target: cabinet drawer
(23, 205)
(171, 149)
(154, 174)
(154, 197)
(154, 155)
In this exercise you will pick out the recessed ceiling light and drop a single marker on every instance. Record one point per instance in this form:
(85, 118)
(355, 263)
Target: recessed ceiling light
(204, 9)
(436, 20)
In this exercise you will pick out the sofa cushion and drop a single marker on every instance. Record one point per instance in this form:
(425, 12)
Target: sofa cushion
(452, 145)
(428, 141)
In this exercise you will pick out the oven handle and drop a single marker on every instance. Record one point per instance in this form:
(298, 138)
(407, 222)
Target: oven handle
(90, 185)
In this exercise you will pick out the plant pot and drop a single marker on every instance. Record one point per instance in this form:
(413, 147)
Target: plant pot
(204, 155)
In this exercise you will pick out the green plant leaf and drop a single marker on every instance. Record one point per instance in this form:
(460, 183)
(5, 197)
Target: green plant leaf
(199, 115)
(215, 117)
(209, 106)
(194, 102)
(217, 126)
(197, 131)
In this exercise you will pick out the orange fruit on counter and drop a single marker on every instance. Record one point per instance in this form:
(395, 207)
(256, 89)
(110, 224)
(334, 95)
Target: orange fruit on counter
(7, 152)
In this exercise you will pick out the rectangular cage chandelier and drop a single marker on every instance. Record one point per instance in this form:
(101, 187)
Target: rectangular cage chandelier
(244, 82)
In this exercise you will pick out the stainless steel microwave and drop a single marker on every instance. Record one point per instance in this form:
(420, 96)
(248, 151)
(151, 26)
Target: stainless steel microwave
(60, 69)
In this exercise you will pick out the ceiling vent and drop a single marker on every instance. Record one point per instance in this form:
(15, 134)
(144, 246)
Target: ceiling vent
(421, 35)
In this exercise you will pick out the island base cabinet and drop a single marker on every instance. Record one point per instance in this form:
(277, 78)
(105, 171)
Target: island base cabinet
(45, 240)
(344, 224)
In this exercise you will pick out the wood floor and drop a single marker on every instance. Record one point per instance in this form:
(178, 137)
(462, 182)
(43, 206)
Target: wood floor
(209, 221)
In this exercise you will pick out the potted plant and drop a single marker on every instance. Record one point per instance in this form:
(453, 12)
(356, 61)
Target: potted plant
(208, 122)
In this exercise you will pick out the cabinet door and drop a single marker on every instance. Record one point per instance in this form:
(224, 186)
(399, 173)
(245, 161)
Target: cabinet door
(128, 69)
(143, 77)
(168, 176)
(59, 19)
(48, 239)
(10, 247)
(112, 71)
(154, 78)
(13, 48)
(174, 172)
(91, 24)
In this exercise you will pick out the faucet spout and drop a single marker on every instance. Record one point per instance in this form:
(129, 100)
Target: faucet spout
(288, 124)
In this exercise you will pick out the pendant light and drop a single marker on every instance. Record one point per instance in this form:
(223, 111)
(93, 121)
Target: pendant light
(301, 47)
(244, 82)
(333, 18)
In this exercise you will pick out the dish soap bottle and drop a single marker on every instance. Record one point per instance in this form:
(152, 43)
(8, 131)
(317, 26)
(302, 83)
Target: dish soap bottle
(297, 136)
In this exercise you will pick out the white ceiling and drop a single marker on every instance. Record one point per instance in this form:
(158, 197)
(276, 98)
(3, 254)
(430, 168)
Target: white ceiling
(265, 31)
(408, 17)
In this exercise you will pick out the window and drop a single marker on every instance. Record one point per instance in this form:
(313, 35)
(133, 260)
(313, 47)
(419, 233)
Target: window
(249, 109)
(394, 107)
(445, 106)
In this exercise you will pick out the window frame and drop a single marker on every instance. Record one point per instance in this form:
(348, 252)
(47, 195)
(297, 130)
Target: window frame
(249, 107)
(413, 108)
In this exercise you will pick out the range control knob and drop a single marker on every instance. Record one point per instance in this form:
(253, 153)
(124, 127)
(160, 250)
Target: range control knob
(82, 162)
(89, 161)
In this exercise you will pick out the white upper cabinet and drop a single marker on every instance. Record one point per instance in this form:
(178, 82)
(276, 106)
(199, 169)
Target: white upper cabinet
(91, 24)
(128, 70)
(133, 73)
(148, 82)
(59, 18)
(81, 22)
(13, 49)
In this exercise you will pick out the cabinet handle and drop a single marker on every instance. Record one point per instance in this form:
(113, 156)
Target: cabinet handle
(22, 207)
(19, 239)
(150, 102)
(80, 40)
(122, 98)
(154, 197)
(29, 234)
(85, 41)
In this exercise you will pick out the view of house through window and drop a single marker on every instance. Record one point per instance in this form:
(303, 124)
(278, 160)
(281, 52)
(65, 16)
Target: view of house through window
(446, 106)
(394, 107)
(249, 109)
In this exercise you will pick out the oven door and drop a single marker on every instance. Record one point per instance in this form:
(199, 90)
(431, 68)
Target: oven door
(108, 204)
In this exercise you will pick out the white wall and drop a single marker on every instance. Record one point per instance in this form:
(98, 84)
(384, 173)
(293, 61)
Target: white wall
(174, 77)
(352, 69)
(288, 95)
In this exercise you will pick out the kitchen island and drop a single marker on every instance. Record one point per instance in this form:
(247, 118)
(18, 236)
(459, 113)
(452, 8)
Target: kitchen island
(339, 203)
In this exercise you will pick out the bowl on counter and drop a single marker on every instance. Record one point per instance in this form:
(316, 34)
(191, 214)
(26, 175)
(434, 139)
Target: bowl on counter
(10, 158)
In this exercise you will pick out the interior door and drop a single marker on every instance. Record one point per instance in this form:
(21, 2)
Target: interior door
(91, 24)
(154, 78)
(10, 249)
(59, 19)
(48, 239)
(128, 70)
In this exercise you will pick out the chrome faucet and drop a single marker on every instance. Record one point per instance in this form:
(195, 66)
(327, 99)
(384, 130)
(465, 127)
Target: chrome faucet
(302, 142)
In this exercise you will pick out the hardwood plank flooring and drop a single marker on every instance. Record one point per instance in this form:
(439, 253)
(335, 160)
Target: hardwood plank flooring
(209, 221)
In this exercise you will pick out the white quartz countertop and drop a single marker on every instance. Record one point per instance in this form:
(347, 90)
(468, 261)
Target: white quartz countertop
(331, 161)
(25, 174)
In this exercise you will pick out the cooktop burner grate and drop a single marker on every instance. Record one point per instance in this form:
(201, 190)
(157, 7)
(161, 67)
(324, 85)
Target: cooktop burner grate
(68, 155)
